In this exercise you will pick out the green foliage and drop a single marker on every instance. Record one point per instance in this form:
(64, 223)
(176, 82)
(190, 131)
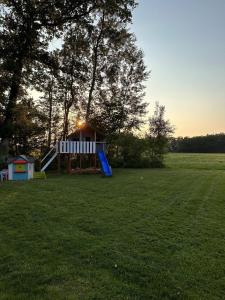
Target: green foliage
(3, 155)
(27, 28)
(211, 143)
(130, 151)
(127, 151)
(29, 128)
(119, 103)
(160, 131)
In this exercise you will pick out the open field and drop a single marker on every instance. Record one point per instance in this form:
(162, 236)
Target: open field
(143, 234)
(206, 161)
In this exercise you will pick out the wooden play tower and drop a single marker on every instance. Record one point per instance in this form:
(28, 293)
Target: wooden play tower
(85, 144)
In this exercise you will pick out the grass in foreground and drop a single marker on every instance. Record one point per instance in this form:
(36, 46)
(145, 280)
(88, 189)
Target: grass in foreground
(143, 234)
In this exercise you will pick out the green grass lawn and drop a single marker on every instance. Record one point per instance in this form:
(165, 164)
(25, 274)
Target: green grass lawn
(196, 161)
(143, 234)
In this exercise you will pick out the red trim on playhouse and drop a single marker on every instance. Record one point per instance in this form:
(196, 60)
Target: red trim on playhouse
(20, 162)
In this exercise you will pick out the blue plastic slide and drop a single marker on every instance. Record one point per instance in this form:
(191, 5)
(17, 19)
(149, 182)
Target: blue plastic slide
(104, 164)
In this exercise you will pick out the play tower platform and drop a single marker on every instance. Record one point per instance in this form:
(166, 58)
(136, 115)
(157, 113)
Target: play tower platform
(84, 142)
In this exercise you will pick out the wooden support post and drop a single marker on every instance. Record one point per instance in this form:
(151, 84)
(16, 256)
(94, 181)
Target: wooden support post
(95, 155)
(80, 161)
(95, 160)
(58, 163)
(69, 169)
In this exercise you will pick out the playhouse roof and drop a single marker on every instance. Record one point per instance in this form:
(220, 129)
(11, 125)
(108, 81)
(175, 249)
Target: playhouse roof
(87, 127)
(22, 157)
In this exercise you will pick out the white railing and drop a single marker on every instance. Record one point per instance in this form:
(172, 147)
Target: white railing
(76, 147)
(50, 151)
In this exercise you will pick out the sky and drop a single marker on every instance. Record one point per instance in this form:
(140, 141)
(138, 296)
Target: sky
(184, 46)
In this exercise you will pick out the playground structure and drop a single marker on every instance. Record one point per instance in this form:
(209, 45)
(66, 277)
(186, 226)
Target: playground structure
(83, 145)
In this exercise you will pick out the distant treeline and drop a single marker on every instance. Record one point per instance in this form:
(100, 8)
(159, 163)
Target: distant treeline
(212, 143)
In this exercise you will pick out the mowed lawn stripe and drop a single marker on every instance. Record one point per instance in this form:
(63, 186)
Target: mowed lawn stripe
(143, 234)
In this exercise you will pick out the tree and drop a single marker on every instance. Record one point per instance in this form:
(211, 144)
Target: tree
(211, 143)
(27, 26)
(127, 151)
(73, 79)
(87, 82)
(119, 96)
(158, 136)
(48, 104)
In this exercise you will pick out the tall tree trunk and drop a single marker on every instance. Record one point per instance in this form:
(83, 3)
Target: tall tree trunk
(7, 127)
(66, 124)
(68, 102)
(50, 92)
(50, 121)
(4, 150)
(94, 70)
(67, 106)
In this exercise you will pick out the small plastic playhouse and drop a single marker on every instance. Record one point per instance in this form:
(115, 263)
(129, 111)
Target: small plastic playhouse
(20, 168)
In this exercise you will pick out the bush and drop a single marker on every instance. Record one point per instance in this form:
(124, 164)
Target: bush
(128, 151)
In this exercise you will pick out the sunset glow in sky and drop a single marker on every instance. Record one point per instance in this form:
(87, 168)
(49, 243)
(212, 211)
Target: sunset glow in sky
(184, 46)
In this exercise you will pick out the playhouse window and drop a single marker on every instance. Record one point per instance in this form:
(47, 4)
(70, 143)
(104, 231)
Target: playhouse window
(20, 168)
